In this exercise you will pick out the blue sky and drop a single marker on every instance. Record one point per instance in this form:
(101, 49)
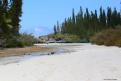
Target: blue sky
(39, 16)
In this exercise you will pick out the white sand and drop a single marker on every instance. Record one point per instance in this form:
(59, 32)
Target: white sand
(88, 63)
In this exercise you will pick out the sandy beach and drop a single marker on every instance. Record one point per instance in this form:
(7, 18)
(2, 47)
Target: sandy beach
(86, 63)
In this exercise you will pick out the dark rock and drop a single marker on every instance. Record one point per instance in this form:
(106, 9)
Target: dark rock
(52, 53)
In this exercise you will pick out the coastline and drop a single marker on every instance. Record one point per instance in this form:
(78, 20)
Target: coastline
(15, 55)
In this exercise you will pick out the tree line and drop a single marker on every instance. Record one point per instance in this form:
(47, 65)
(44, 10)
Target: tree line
(10, 17)
(86, 23)
(10, 13)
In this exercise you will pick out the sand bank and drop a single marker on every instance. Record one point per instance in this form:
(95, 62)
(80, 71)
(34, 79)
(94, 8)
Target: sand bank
(87, 63)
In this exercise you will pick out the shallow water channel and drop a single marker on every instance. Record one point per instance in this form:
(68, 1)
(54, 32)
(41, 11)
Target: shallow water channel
(14, 59)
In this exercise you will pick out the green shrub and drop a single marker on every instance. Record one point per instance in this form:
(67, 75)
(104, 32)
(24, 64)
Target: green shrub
(19, 41)
(72, 38)
(66, 37)
(98, 39)
(107, 37)
(84, 40)
(12, 42)
(26, 40)
(118, 42)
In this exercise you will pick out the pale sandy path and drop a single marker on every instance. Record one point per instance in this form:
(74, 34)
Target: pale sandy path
(88, 63)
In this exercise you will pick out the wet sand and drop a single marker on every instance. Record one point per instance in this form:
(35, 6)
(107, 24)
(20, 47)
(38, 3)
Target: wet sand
(23, 51)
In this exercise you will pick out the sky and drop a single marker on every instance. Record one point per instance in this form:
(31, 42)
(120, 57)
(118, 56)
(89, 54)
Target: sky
(39, 16)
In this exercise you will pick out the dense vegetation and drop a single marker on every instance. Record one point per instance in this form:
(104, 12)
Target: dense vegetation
(10, 13)
(65, 38)
(87, 23)
(108, 37)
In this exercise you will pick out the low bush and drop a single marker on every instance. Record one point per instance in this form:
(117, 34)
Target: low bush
(109, 37)
(26, 39)
(19, 41)
(118, 42)
(72, 38)
(66, 37)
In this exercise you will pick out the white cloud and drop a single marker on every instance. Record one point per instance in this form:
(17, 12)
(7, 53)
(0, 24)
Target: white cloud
(41, 31)
(37, 31)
